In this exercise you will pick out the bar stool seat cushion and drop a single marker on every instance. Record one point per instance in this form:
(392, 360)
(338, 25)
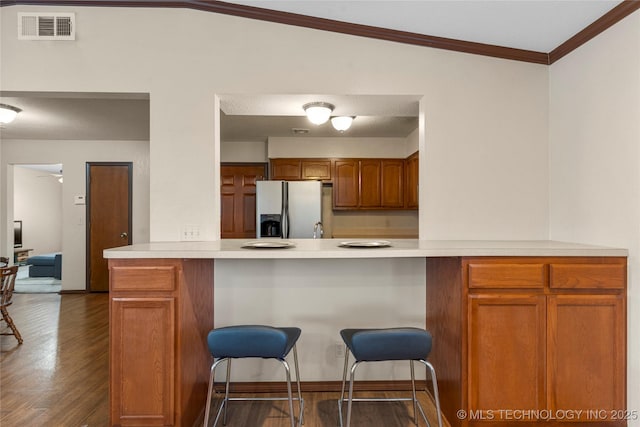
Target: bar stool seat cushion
(252, 341)
(370, 345)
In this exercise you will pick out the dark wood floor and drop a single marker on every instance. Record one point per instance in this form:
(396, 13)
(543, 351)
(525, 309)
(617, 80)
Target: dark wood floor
(59, 376)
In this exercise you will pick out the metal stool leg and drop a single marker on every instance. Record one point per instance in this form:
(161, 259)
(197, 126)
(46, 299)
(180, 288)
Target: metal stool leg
(413, 394)
(436, 394)
(207, 410)
(344, 380)
(226, 393)
(289, 393)
(350, 402)
(300, 401)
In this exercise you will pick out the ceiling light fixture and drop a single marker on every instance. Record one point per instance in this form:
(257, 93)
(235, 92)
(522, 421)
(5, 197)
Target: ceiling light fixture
(8, 113)
(318, 112)
(342, 123)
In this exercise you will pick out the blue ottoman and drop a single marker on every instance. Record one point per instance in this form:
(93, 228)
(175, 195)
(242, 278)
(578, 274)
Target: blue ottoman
(45, 265)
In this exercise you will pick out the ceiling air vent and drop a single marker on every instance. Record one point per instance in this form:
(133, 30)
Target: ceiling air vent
(46, 26)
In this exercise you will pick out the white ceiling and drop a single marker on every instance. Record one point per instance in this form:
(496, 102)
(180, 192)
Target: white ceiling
(539, 25)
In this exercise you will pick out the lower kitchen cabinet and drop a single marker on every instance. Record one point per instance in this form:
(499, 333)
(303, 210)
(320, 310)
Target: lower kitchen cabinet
(161, 311)
(586, 353)
(503, 359)
(542, 338)
(136, 348)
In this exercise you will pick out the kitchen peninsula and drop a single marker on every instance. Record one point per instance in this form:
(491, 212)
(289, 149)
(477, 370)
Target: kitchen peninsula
(524, 325)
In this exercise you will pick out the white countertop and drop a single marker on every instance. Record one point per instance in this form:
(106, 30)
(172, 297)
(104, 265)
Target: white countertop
(329, 248)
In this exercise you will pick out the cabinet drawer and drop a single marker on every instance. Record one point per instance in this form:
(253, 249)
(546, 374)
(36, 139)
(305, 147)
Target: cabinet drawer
(588, 276)
(518, 276)
(156, 278)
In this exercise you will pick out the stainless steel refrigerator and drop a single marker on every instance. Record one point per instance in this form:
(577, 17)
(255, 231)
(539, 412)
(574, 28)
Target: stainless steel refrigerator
(288, 209)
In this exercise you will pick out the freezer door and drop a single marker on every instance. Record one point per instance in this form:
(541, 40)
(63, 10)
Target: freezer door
(268, 207)
(305, 208)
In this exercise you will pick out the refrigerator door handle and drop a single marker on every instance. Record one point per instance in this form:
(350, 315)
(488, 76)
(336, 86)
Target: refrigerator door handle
(284, 214)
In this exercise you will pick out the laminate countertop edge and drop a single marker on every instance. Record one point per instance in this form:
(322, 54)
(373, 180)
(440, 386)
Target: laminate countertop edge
(331, 249)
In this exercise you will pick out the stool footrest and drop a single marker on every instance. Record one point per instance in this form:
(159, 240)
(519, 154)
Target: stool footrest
(261, 399)
(382, 399)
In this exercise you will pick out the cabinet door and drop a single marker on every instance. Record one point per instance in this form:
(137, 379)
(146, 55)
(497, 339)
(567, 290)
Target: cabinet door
(506, 353)
(316, 169)
(285, 169)
(370, 184)
(586, 352)
(392, 183)
(142, 361)
(411, 181)
(345, 184)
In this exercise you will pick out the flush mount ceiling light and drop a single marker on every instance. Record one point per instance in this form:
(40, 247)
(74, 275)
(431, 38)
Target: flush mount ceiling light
(342, 123)
(8, 113)
(318, 112)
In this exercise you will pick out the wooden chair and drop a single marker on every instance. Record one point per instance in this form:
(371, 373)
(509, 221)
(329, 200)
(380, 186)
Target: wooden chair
(8, 281)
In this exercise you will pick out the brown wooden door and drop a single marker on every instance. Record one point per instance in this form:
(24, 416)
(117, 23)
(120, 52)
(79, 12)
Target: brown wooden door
(586, 353)
(345, 184)
(506, 360)
(392, 183)
(238, 199)
(108, 217)
(370, 180)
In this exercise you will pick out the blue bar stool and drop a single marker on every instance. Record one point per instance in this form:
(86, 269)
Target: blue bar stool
(253, 341)
(377, 345)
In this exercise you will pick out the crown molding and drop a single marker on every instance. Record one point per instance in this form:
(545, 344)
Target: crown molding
(616, 14)
(607, 20)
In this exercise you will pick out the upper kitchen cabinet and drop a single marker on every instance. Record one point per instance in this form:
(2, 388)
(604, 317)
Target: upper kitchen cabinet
(411, 181)
(345, 184)
(301, 169)
(368, 184)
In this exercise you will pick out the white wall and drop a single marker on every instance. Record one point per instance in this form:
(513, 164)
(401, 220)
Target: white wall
(411, 144)
(485, 174)
(594, 158)
(337, 147)
(253, 292)
(37, 201)
(74, 155)
(243, 152)
(484, 165)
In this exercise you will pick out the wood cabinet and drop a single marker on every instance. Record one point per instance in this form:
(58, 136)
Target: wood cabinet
(160, 313)
(357, 183)
(368, 184)
(536, 333)
(411, 181)
(392, 183)
(346, 192)
(512, 358)
(300, 169)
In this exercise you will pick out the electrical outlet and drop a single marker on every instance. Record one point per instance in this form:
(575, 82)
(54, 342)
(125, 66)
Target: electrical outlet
(338, 349)
(190, 232)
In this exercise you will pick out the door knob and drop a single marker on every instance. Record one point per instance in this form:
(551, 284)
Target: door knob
(123, 235)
